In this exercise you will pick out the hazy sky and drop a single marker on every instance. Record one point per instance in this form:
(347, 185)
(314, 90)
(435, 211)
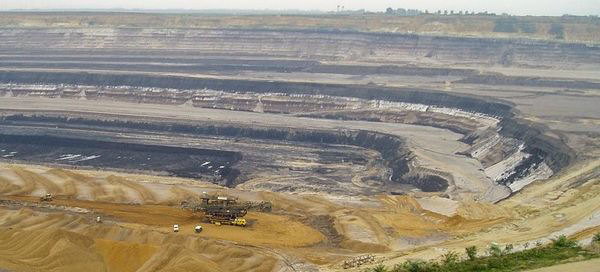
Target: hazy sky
(518, 7)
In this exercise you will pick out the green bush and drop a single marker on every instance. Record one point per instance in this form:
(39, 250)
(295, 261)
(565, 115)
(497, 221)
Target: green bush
(471, 252)
(508, 249)
(495, 250)
(560, 251)
(415, 266)
(380, 268)
(563, 242)
(596, 238)
(450, 257)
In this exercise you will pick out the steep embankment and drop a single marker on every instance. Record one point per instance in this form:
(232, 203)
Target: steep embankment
(311, 44)
(575, 28)
(409, 95)
(508, 155)
(515, 157)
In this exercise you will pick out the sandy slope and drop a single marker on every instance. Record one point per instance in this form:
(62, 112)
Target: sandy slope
(304, 232)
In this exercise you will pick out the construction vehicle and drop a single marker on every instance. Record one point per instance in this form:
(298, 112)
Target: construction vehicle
(223, 210)
(46, 198)
(226, 216)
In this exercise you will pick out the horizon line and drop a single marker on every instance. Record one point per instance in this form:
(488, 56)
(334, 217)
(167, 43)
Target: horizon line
(255, 11)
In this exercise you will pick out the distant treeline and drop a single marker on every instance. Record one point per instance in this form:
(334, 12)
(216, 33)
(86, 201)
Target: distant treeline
(415, 12)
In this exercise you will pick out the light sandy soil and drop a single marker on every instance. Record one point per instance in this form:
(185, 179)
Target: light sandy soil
(326, 224)
(304, 232)
(539, 212)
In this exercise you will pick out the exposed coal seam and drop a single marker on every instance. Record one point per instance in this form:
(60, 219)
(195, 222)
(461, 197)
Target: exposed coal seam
(409, 95)
(343, 116)
(183, 65)
(554, 152)
(392, 148)
(177, 161)
(472, 76)
(97, 144)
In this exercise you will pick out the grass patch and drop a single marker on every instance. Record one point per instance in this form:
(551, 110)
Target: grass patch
(561, 250)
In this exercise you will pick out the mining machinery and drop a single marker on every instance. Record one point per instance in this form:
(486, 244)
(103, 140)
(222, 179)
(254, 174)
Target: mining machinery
(223, 210)
(46, 198)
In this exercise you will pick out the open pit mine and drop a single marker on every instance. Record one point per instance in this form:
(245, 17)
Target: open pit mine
(385, 145)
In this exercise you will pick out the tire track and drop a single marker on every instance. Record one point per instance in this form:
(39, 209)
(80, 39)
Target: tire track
(25, 189)
(48, 185)
(181, 195)
(96, 189)
(7, 186)
(146, 196)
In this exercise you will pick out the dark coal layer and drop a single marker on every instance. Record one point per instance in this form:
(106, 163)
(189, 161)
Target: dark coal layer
(553, 151)
(166, 64)
(410, 95)
(176, 161)
(392, 148)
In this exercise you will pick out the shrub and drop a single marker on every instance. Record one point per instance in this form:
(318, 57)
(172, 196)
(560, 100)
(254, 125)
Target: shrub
(495, 250)
(563, 242)
(501, 260)
(450, 257)
(471, 252)
(596, 238)
(508, 248)
(380, 268)
(415, 266)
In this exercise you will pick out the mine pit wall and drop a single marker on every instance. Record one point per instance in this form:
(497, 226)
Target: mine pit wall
(308, 44)
(457, 124)
(408, 95)
(518, 152)
(556, 154)
(392, 148)
(544, 156)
